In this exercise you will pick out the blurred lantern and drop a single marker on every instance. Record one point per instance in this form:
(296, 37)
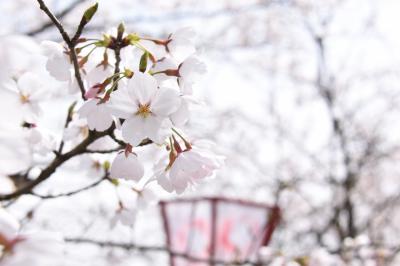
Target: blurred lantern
(212, 231)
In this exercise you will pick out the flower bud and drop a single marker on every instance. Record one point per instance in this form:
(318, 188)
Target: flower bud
(89, 13)
(143, 62)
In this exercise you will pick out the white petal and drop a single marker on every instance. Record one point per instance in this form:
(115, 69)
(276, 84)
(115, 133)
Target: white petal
(165, 102)
(8, 224)
(164, 182)
(121, 104)
(164, 64)
(59, 68)
(181, 116)
(129, 168)
(142, 87)
(30, 84)
(51, 49)
(97, 115)
(133, 130)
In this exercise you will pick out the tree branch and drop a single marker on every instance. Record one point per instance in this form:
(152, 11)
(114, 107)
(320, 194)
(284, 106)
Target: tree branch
(94, 184)
(143, 248)
(61, 14)
(58, 161)
(70, 43)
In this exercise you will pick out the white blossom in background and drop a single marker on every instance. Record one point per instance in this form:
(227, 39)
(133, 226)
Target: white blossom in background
(15, 55)
(145, 198)
(21, 249)
(77, 129)
(24, 96)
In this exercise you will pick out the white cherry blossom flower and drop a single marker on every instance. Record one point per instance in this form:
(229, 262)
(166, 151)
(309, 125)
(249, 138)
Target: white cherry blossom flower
(145, 198)
(9, 226)
(124, 216)
(180, 43)
(95, 76)
(15, 155)
(41, 141)
(189, 72)
(58, 62)
(97, 115)
(127, 166)
(16, 55)
(189, 168)
(20, 249)
(25, 95)
(161, 66)
(145, 107)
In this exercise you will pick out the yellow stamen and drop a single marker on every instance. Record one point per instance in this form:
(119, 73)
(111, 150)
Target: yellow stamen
(24, 98)
(143, 110)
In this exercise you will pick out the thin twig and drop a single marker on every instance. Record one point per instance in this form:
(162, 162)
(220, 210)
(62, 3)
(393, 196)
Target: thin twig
(94, 184)
(58, 161)
(61, 14)
(143, 248)
(70, 43)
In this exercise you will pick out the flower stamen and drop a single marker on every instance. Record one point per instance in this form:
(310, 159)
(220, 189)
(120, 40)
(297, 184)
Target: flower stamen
(144, 110)
(24, 98)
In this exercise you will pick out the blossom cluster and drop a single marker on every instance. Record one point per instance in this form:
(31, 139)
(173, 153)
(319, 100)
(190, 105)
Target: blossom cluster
(122, 93)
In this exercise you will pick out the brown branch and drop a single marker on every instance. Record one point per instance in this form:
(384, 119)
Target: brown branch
(71, 43)
(94, 184)
(338, 130)
(143, 248)
(61, 14)
(106, 151)
(58, 161)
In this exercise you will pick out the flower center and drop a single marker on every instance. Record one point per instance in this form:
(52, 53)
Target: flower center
(143, 110)
(24, 98)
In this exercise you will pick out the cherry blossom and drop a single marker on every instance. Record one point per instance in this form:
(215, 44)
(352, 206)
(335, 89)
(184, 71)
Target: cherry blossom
(145, 198)
(15, 156)
(24, 95)
(77, 129)
(20, 249)
(145, 108)
(94, 78)
(180, 43)
(58, 63)
(97, 114)
(189, 72)
(16, 55)
(189, 168)
(133, 91)
(124, 216)
(9, 226)
(127, 166)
